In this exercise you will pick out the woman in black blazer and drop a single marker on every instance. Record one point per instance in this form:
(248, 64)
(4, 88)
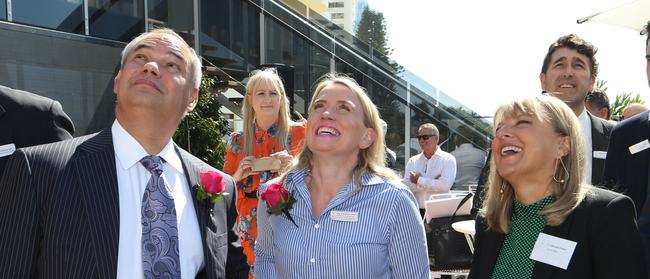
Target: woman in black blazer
(539, 218)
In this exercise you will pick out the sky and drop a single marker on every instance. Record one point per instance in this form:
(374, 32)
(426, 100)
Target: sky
(482, 53)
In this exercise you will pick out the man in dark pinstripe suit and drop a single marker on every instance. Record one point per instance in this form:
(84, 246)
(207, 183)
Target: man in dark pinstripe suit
(72, 209)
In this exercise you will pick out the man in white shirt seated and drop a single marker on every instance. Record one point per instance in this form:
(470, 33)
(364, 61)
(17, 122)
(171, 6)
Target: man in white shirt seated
(432, 171)
(469, 160)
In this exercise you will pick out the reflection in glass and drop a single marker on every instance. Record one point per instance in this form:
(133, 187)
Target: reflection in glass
(177, 15)
(62, 15)
(3, 10)
(230, 40)
(309, 61)
(78, 72)
(120, 20)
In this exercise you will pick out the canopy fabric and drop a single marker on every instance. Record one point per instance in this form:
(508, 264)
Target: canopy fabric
(634, 15)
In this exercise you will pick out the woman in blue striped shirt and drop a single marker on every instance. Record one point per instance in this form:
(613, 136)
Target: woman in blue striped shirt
(353, 217)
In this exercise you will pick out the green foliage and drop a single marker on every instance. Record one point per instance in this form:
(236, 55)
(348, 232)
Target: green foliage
(622, 101)
(372, 30)
(202, 131)
(601, 85)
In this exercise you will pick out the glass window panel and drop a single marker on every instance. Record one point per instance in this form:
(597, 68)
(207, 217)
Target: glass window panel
(3, 10)
(120, 20)
(177, 15)
(63, 15)
(76, 71)
(230, 35)
(309, 61)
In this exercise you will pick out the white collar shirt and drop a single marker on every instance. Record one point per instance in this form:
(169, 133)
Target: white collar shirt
(132, 179)
(585, 123)
(437, 174)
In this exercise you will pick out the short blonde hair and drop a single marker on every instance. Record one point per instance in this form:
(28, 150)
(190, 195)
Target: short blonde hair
(269, 78)
(497, 208)
(372, 159)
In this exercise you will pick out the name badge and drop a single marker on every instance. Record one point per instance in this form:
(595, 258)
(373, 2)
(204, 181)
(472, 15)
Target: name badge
(7, 149)
(553, 250)
(345, 216)
(600, 154)
(643, 145)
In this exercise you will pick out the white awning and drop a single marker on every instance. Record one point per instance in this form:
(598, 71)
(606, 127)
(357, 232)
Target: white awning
(634, 15)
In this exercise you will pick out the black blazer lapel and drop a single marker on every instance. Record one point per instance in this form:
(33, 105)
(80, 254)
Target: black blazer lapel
(94, 163)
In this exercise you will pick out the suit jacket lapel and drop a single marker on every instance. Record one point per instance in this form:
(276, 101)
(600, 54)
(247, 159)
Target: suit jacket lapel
(200, 207)
(94, 163)
(599, 142)
(6, 136)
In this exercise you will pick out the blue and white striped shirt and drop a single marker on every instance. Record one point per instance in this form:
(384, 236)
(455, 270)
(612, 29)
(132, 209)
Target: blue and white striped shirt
(386, 241)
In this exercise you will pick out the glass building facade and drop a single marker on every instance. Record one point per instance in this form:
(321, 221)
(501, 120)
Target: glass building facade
(69, 50)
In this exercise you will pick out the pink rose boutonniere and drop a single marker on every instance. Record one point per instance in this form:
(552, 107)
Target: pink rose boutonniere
(211, 187)
(278, 200)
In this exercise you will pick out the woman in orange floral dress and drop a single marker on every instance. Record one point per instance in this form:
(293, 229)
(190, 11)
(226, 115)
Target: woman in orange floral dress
(268, 132)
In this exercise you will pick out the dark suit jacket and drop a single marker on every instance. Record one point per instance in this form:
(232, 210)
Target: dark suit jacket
(604, 227)
(28, 119)
(625, 172)
(600, 130)
(59, 213)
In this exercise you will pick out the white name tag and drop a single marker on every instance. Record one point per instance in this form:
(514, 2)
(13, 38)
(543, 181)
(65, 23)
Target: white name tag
(7, 149)
(643, 145)
(553, 250)
(600, 154)
(345, 216)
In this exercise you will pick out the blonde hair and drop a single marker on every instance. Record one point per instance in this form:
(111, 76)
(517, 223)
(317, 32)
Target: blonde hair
(497, 208)
(372, 159)
(267, 78)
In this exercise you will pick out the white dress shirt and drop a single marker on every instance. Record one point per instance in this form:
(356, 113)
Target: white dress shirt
(436, 174)
(132, 179)
(585, 123)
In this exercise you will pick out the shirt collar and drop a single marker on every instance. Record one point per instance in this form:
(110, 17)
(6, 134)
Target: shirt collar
(129, 151)
(585, 120)
(296, 176)
(271, 131)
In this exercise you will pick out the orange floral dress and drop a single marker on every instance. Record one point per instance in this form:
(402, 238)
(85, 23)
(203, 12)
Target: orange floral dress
(264, 145)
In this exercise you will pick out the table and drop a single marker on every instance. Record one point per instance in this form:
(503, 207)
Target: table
(467, 228)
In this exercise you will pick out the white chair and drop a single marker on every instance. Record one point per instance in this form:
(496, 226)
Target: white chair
(443, 205)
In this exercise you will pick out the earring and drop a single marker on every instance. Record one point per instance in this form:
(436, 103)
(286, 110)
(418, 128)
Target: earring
(503, 186)
(560, 180)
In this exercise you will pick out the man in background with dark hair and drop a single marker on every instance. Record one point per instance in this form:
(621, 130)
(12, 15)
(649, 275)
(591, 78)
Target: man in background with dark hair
(27, 119)
(597, 104)
(626, 167)
(569, 72)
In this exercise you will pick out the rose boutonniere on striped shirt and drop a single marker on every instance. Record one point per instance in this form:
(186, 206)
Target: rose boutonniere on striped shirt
(278, 200)
(211, 187)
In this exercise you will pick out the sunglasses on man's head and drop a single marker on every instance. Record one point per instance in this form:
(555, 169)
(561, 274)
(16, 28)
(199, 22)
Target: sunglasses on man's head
(426, 137)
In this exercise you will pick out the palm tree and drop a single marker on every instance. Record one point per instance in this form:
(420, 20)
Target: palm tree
(622, 101)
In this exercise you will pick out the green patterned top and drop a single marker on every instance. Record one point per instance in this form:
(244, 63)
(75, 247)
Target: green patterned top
(514, 259)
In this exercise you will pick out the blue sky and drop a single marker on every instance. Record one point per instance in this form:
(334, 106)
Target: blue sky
(485, 52)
